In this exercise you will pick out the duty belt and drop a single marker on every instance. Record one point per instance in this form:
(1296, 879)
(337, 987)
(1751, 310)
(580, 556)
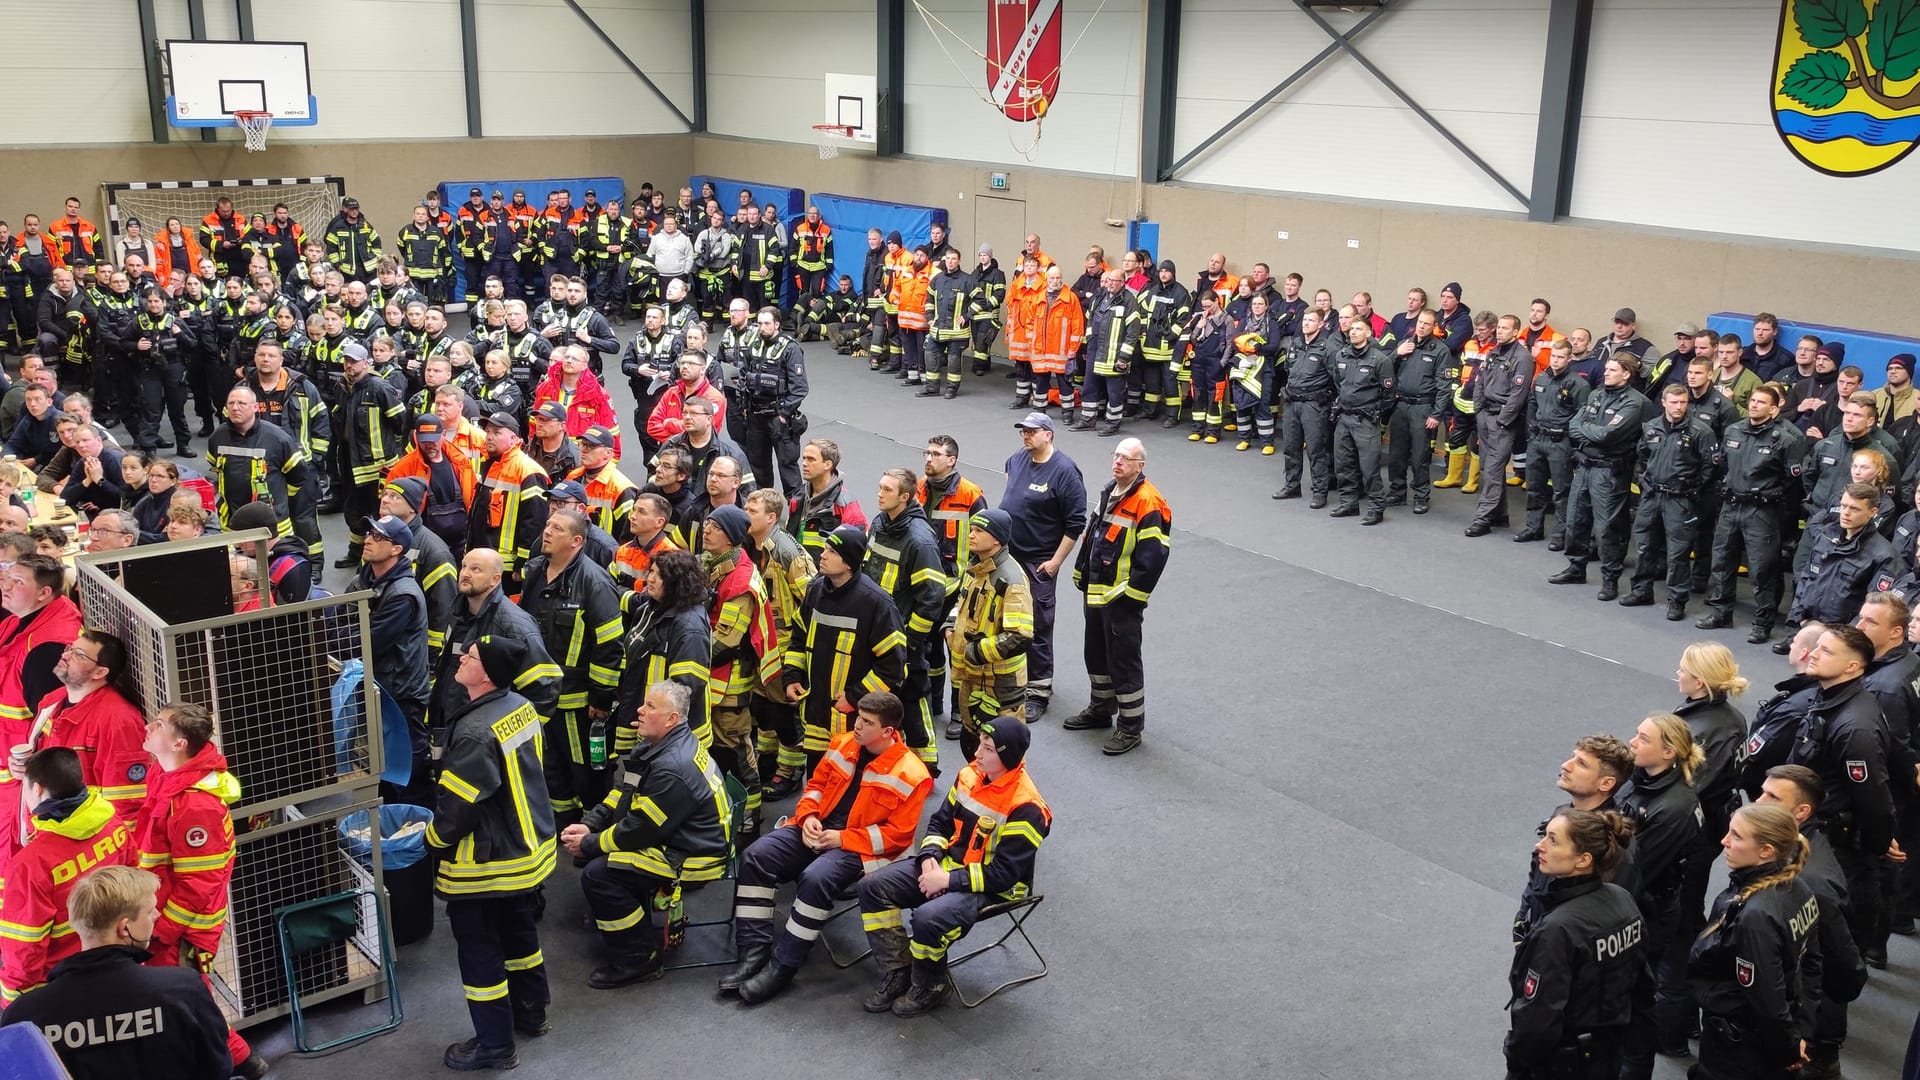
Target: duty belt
(1755, 498)
(1664, 489)
(1322, 400)
(1413, 399)
(1550, 433)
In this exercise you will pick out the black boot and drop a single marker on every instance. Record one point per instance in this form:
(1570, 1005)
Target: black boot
(470, 1056)
(922, 999)
(892, 984)
(768, 983)
(752, 959)
(1609, 590)
(625, 972)
(206, 426)
(1572, 575)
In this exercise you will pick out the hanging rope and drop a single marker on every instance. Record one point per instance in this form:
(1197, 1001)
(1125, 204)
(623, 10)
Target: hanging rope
(1027, 84)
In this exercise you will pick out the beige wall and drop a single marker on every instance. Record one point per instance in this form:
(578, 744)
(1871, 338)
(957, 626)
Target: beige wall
(1586, 270)
(387, 177)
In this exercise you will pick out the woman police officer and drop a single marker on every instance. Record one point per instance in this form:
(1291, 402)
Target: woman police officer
(1745, 967)
(1575, 967)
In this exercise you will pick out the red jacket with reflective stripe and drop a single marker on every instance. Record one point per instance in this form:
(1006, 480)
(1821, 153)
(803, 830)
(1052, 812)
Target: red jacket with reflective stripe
(886, 808)
(106, 731)
(185, 838)
(34, 933)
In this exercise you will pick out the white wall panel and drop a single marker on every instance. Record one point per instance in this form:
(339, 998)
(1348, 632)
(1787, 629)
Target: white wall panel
(73, 74)
(1474, 64)
(543, 71)
(1677, 131)
(381, 69)
(765, 59)
(1093, 123)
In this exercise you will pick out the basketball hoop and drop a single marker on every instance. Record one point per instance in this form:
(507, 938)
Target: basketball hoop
(254, 125)
(824, 134)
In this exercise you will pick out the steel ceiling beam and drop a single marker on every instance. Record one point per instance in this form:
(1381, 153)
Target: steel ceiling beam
(628, 61)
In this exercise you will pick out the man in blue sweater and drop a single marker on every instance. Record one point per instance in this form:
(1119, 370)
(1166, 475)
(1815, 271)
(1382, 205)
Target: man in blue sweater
(1047, 498)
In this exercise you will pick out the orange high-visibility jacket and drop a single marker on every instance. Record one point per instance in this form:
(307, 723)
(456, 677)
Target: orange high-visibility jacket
(886, 807)
(1059, 330)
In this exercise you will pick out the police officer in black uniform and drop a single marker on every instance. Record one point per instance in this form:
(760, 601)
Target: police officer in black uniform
(1843, 974)
(1419, 393)
(1558, 396)
(1677, 455)
(1604, 436)
(1306, 425)
(1574, 965)
(765, 401)
(1502, 385)
(1843, 739)
(1363, 374)
(1746, 966)
(108, 1014)
(1761, 486)
(1659, 798)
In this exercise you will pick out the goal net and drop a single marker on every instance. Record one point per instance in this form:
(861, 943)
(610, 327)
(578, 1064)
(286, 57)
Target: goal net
(312, 201)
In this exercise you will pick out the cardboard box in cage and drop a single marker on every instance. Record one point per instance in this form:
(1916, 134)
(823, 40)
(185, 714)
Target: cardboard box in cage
(267, 675)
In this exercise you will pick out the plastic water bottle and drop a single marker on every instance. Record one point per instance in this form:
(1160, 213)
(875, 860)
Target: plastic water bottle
(597, 742)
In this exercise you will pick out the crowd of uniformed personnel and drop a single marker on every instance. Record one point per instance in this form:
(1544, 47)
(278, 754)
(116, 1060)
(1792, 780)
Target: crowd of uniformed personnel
(685, 626)
(626, 667)
(1617, 955)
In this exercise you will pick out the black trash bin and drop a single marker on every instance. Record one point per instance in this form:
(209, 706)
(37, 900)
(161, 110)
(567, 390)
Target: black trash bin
(404, 864)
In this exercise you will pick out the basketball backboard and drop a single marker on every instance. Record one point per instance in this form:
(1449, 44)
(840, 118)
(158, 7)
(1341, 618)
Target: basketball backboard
(849, 102)
(209, 81)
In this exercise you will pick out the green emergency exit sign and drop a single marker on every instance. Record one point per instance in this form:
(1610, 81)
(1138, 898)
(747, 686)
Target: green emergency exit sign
(997, 181)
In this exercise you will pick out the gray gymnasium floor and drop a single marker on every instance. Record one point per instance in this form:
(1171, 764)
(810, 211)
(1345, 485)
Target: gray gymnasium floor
(1308, 869)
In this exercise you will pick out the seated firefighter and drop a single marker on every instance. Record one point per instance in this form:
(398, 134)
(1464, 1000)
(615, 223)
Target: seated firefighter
(858, 813)
(979, 850)
(667, 820)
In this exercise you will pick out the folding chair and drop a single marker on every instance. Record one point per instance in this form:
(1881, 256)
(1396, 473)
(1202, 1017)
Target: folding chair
(1017, 912)
(849, 902)
(737, 798)
(328, 921)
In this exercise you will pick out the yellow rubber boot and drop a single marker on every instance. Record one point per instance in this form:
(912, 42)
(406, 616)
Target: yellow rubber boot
(1514, 479)
(1456, 470)
(1473, 475)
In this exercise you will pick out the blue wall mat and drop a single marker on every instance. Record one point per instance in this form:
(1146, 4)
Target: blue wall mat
(791, 200)
(1866, 349)
(453, 193)
(851, 218)
(25, 1054)
(1141, 235)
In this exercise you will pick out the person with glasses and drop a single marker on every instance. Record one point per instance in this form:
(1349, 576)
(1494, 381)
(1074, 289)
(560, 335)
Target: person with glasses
(112, 530)
(91, 715)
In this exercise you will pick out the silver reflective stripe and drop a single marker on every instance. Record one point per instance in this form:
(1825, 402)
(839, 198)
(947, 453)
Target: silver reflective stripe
(240, 451)
(875, 840)
(955, 515)
(967, 800)
(886, 780)
(883, 550)
(840, 761)
(497, 482)
(842, 622)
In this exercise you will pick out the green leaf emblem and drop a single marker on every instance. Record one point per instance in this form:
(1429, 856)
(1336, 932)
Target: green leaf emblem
(1826, 23)
(1817, 80)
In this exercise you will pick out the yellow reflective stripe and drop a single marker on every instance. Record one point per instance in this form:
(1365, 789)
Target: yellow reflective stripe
(526, 963)
(692, 668)
(873, 683)
(459, 788)
(651, 861)
(1020, 828)
(13, 931)
(149, 860)
(194, 920)
(879, 920)
(895, 640)
(626, 922)
(605, 676)
(647, 806)
(130, 791)
(607, 631)
(919, 624)
(486, 993)
(198, 864)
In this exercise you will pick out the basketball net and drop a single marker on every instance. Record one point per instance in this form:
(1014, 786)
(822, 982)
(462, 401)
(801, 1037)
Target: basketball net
(823, 136)
(254, 126)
